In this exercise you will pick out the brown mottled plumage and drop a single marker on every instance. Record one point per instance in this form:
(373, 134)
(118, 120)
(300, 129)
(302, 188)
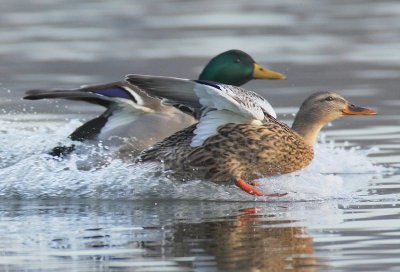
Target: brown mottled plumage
(242, 151)
(241, 141)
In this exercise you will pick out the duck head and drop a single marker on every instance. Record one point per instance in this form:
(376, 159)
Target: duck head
(321, 108)
(235, 67)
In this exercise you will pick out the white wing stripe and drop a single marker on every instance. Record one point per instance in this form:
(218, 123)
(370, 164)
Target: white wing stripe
(134, 94)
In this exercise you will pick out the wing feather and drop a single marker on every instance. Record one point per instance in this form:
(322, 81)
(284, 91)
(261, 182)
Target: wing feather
(173, 90)
(116, 95)
(197, 93)
(209, 124)
(235, 99)
(223, 103)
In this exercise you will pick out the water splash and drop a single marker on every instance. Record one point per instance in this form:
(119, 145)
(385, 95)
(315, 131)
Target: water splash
(28, 172)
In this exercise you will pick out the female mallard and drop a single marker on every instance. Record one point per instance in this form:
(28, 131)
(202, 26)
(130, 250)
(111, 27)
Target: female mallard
(130, 114)
(237, 137)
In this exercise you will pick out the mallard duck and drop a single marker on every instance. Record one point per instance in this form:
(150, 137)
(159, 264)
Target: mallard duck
(130, 114)
(238, 137)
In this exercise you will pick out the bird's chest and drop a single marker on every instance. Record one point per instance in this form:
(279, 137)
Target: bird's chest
(283, 153)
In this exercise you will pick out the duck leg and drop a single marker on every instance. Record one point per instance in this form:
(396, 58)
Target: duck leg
(253, 191)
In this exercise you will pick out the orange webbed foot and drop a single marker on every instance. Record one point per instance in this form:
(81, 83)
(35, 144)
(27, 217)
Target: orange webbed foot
(253, 191)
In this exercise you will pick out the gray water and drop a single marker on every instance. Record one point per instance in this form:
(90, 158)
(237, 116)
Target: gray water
(341, 213)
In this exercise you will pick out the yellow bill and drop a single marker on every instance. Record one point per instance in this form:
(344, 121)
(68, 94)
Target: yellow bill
(260, 72)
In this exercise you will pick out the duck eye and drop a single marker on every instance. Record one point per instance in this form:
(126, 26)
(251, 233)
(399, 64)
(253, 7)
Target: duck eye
(329, 98)
(237, 61)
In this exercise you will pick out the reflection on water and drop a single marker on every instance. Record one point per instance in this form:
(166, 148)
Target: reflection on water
(341, 214)
(247, 240)
(197, 236)
(230, 237)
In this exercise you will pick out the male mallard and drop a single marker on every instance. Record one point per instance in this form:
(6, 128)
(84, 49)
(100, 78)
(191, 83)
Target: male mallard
(237, 137)
(130, 114)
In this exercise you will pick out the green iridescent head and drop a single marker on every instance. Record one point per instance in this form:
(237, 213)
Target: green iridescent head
(235, 67)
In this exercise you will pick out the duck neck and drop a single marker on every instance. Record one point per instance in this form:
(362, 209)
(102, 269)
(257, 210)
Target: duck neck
(308, 127)
(224, 75)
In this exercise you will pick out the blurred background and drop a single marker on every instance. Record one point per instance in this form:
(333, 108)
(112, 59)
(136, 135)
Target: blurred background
(320, 45)
(54, 217)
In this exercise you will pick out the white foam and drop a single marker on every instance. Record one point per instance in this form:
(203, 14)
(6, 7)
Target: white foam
(28, 172)
(19, 140)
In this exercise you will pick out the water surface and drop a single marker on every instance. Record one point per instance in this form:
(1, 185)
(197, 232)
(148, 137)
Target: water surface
(340, 214)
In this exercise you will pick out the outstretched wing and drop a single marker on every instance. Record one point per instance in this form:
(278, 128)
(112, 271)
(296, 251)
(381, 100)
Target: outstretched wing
(227, 97)
(172, 91)
(224, 103)
(106, 95)
(197, 93)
